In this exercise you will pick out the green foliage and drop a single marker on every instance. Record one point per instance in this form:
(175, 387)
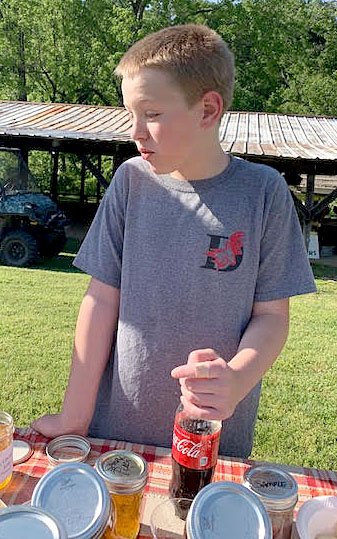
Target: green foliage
(66, 50)
(297, 416)
(69, 178)
(285, 54)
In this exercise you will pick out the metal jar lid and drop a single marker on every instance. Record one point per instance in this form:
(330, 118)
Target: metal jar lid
(276, 488)
(24, 522)
(77, 496)
(123, 471)
(68, 448)
(22, 451)
(226, 510)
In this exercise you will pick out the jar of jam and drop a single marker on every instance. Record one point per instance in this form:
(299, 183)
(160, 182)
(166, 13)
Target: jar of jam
(278, 492)
(78, 498)
(6, 449)
(125, 474)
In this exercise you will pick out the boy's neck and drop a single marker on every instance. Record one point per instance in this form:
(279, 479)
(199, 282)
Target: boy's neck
(208, 165)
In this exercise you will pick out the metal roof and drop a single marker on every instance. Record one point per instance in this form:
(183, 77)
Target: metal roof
(323, 184)
(279, 135)
(63, 121)
(255, 134)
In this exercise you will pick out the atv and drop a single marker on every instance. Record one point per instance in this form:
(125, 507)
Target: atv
(31, 225)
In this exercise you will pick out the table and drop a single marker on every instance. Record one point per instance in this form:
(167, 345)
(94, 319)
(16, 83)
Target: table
(311, 482)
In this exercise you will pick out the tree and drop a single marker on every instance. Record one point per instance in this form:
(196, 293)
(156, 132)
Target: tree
(285, 53)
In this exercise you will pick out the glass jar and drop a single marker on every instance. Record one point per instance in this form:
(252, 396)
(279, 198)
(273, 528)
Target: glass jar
(23, 522)
(125, 474)
(6, 449)
(278, 492)
(78, 498)
(227, 509)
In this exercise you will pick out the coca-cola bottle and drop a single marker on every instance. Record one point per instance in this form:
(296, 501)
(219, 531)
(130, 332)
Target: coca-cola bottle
(194, 454)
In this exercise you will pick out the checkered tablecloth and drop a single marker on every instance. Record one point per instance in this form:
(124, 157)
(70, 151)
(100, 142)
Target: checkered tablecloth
(311, 482)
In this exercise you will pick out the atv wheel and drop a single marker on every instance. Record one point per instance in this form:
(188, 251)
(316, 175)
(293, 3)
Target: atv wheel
(18, 248)
(54, 246)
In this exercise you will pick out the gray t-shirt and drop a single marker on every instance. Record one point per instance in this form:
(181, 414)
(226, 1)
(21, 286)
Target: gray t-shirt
(190, 259)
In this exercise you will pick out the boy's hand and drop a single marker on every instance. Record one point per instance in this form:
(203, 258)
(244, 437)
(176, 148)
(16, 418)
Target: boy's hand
(209, 387)
(56, 425)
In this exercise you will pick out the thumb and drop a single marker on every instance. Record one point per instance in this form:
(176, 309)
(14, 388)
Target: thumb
(197, 366)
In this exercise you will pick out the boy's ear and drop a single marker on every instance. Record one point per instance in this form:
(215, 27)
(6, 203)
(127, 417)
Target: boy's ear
(212, 109)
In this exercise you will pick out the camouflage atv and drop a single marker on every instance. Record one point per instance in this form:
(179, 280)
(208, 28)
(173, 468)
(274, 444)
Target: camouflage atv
(31, 225)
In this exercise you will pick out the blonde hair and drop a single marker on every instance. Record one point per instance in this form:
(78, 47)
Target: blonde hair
(195, 56)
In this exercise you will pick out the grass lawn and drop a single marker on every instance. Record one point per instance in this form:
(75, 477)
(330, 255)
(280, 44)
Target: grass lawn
(297, 422)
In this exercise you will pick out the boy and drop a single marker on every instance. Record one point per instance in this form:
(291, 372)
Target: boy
(193, 256)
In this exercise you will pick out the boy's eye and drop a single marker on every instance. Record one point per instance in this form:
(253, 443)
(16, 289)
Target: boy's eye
(151, 115)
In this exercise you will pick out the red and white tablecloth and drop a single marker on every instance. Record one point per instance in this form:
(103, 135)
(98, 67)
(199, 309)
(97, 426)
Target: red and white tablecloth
(311, 482)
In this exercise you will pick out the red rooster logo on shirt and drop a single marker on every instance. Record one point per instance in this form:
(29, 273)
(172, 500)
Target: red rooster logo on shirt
(226, 256)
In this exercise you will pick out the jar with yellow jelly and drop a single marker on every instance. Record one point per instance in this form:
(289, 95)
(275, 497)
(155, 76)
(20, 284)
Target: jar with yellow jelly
(6, 449)
(125, 474)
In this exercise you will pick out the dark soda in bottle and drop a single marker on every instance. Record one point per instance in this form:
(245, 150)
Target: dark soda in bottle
(195, 449)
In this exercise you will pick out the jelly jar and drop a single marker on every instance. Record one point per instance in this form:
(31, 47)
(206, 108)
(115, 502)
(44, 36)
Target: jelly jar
(125, 474)
(6, 449)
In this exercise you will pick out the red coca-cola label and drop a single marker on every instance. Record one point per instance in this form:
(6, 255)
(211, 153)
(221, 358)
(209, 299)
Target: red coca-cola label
(195, 451)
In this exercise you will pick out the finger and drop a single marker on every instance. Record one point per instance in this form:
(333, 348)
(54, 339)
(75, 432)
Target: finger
(202, 400)
(207, 413)
(199, 365)
(205, 370)
(202, 355)
(201, 385)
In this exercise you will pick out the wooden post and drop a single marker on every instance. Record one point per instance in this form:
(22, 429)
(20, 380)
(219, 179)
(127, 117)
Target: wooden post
(117, 159)
(309, 202)
(82, 183)
(98, 185)
(23, 169)
(54, 175)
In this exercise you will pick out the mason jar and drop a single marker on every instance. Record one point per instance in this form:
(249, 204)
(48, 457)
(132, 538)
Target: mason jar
(278, 492)
(125, 474)
(24, 522)
(6, 448)
(76, 496)
(227, 509)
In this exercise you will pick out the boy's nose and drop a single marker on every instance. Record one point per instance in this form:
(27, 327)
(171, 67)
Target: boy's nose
(138, 130)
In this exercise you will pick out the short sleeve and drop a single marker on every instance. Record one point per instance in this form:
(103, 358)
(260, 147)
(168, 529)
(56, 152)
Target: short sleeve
(284, 268)
(100, 254)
